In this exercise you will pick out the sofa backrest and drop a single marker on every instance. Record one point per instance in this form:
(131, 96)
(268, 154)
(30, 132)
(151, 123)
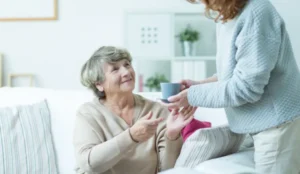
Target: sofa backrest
(63, 105)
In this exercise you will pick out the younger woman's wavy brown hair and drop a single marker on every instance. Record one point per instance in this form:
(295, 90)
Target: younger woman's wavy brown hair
(227, 9)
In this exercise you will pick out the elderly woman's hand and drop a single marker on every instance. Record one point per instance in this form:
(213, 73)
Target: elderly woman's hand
(178, 120)
(145, 128)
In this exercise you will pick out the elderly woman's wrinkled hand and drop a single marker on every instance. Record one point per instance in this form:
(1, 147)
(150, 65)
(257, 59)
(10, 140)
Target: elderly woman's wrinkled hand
(145, 128)
(178, 120)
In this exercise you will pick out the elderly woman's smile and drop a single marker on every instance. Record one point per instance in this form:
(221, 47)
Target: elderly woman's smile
(119, 77)
(127, 81)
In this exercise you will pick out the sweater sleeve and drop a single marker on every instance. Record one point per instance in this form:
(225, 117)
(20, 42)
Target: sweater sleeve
(255, 59)
(92, 153)
(168, 150)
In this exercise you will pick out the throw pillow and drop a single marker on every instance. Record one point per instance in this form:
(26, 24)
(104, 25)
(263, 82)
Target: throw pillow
(26, 141)
(192, 127)
(208, 143)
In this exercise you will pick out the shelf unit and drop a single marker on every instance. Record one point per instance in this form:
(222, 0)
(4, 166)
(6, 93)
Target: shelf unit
(151, 39)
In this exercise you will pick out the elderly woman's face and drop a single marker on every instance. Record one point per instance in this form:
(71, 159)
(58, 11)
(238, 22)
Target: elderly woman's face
(119, 77)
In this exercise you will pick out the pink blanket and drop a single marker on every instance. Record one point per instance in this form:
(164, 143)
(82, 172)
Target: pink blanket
(192, 127)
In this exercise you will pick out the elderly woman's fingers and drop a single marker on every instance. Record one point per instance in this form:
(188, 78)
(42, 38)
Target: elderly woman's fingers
(157, 121)
(174, 112)
(194, 109)
(154, 122)
(183, 111)
(148, 116)
(189, 112)
(187, 121)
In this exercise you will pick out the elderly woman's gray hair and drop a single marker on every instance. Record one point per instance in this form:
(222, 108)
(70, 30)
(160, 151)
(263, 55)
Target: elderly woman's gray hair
(92, 71)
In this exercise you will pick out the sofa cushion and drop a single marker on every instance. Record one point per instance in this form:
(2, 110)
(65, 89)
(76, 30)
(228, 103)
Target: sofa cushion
(26, 140)
(208, 143)
(237, 163)
(63, 105)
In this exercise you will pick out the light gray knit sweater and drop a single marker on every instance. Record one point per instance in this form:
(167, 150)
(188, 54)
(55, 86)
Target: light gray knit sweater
(259, 86)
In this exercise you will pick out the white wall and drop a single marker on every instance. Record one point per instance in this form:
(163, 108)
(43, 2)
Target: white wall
(55, 51)
(289, 10)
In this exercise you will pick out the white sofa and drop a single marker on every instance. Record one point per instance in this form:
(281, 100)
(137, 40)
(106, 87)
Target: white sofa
(63, 105)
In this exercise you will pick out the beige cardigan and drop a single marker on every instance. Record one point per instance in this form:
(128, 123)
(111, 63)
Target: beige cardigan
(103, 144)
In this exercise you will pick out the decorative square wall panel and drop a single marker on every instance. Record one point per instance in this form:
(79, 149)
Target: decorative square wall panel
(148, 35)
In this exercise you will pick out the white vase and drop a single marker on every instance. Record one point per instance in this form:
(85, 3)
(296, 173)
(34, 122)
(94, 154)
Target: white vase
(187, 48)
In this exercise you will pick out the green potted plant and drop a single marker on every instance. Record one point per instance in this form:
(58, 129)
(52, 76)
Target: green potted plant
(154, 82)
(187, 37)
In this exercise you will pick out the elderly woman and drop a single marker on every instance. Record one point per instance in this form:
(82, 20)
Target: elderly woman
(120, 132)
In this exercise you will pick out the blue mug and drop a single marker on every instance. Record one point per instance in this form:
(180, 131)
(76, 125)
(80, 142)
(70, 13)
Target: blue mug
(168, 90)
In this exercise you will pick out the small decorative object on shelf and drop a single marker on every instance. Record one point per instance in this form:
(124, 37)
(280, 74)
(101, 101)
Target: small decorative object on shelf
(140, 83)
(154, 82)
(187, 38)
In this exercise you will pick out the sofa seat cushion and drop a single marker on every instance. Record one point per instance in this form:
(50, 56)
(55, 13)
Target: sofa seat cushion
(208, 143)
